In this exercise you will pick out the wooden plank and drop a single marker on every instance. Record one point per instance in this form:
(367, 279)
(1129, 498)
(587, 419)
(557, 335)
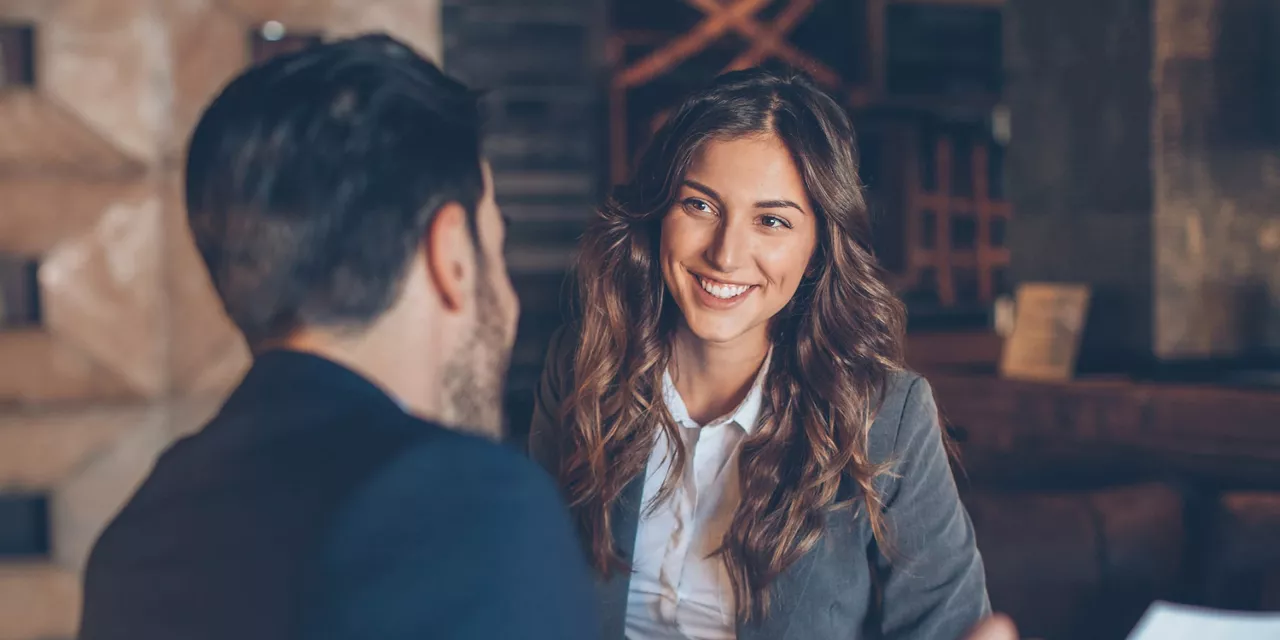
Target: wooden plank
(982, 209)
(942, 243)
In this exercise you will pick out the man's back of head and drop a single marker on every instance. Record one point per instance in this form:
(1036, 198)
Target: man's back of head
(342, 206)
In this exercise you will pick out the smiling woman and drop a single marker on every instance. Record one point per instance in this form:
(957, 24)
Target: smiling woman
(729, 420)
(739, 237)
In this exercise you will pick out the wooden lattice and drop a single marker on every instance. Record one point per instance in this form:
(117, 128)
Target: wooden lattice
(937, 251)
(761, 39)
(759, 30)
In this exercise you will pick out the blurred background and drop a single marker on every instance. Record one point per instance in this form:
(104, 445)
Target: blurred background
(1131, 146)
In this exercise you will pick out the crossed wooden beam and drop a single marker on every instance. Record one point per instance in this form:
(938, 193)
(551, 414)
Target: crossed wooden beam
(738, 16)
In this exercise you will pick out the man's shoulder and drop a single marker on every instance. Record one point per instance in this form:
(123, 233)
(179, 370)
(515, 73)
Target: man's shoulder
(453, 491)
(446, 448)
(465, 532)
(456, 468)
(257, 465)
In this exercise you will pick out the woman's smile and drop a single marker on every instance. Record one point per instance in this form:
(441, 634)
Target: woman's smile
(718, 294)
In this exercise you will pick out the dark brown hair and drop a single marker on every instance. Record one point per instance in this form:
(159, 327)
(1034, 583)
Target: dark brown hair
(312, 178)
(835, 343)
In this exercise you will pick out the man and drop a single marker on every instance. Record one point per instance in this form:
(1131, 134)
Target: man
(351, 487)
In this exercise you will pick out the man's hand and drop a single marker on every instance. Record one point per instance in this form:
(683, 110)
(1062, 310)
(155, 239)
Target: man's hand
(997, 627)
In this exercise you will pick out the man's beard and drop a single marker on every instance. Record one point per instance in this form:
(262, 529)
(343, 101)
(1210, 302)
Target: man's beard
(474, 376)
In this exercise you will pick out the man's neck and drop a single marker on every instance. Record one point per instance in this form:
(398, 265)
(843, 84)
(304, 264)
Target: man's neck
(409, 382)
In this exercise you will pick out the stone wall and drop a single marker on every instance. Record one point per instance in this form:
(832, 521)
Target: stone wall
(1216, 168)
(1145, 160)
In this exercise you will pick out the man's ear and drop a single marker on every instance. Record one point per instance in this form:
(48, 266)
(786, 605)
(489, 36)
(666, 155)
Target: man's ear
(450, 256)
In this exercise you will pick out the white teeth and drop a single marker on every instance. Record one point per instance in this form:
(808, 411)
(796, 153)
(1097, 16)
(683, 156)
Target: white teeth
(723, 291)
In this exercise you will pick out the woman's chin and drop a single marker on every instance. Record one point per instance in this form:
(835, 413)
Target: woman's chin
(717, 330)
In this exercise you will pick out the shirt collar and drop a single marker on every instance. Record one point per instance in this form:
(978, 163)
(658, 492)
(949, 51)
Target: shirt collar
(745, 415)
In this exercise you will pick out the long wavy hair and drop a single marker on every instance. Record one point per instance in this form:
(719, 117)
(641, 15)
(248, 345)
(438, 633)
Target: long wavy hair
(834, 344)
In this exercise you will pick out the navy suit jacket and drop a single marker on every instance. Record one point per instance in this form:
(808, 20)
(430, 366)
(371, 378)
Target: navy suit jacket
(313, 507)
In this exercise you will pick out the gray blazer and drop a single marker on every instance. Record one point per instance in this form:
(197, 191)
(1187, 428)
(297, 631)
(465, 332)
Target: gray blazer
(932, 586)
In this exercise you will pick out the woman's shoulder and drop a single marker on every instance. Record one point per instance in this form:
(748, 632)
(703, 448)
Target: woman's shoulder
(906, 406)
(904, 388)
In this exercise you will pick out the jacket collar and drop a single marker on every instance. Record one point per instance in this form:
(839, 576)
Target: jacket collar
(283, 379)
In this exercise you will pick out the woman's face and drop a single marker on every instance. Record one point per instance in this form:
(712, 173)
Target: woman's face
(737, 241)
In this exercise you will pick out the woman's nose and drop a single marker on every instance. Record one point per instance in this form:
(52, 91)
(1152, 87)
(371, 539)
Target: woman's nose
(728, 247)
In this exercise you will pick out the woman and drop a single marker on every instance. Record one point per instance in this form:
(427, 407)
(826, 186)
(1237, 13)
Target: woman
(730, 420)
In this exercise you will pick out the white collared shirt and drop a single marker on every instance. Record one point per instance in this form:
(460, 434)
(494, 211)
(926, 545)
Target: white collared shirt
(679, 592)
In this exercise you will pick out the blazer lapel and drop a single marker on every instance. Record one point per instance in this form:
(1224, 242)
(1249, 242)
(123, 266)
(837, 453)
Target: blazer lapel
(613, 593)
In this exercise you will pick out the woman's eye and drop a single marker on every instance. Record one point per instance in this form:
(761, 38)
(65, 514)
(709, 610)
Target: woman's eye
(774, 222)
(698, 205)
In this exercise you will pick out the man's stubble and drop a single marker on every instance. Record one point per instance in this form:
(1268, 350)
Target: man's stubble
(474, 376)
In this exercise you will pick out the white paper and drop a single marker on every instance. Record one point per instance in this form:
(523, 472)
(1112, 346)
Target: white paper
(1165, 621)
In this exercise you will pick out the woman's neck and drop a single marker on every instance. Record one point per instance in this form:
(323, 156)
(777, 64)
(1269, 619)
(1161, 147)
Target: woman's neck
(713, 378)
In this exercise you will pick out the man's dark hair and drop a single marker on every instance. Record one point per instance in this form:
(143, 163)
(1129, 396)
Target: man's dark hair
(312, 179)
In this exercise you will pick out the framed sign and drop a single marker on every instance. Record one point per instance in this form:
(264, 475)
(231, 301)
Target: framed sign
(1045, 341)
